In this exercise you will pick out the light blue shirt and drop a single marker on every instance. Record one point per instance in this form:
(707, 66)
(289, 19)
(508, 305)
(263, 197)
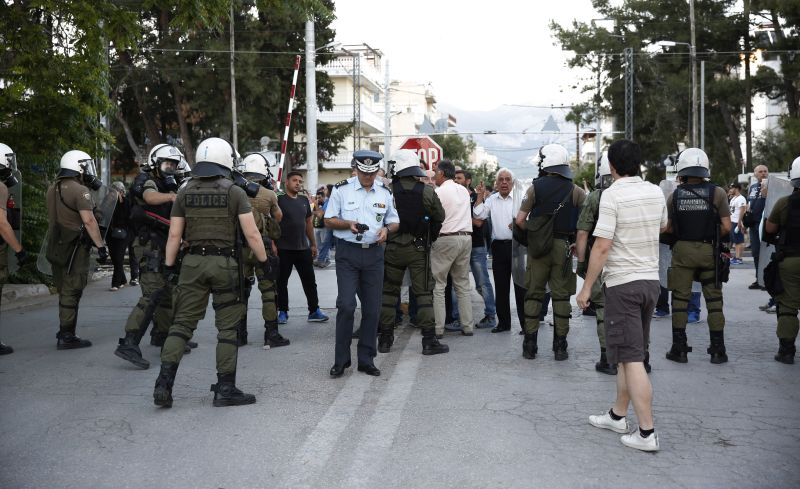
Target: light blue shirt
(352, 202)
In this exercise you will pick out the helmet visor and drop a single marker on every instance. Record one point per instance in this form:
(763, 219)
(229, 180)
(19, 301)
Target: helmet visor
(88, 166)
(168, 166)
(11, 161)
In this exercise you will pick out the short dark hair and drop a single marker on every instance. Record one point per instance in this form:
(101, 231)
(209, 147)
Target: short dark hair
(467, 174)
(293, 174)
(626, 157)
(736, 185)
(447, 168)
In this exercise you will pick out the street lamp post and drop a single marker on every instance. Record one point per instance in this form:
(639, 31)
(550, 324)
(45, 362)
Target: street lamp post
(693, 56)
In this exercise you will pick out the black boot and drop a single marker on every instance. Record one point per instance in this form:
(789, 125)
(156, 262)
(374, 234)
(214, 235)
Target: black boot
(530, 345)
(560, 347)
(786, 351)
(191, 344)
(431, 345)
(128, 350)
(385, 342)
(226, 393)
(162, 394)
(68, 341)
(717, 348)
(679, 347)
(603, 366)
(647, 367)
(5, 349)
(272, 337)
(241, 332)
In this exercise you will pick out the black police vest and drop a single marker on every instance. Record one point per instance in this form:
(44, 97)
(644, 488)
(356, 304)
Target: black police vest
(549, 192)
(410, 208)
(141, 223)
(694, 216)
(791, 245)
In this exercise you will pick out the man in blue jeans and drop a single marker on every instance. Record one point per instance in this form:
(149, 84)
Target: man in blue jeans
(478, 263)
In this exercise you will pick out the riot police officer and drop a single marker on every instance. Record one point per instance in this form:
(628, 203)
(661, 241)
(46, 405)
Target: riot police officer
(549, 212)
(587, 220)
(154, 191)
(698, 216)
(361, 213)
(783, 229)
(421, 213)
(267, 215)
(208, 214)
(9, 222)
(73, 228)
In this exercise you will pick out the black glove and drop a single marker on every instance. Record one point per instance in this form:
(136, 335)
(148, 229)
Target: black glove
(171, 274)
(22, 257)
(102, 255)
(581, 269)
(269, 268)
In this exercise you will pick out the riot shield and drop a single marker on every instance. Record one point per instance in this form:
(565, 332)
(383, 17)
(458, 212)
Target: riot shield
(106, 199)
(14, 215)
(519, 253)
(777, 187)
(668, 186)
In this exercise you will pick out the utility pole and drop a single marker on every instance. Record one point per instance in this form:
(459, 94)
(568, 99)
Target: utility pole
(356, 101)
(703, 105)
(693, 54)
(748, 109)
(628, 54)
(234, 130)
(105, 162)
(387, 117)
(311, 108)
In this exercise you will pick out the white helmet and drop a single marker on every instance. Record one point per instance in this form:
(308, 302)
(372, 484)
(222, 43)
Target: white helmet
(603, 171)
(161, 153)
(693, 162)
(255, 165)
(214, 157)
(406, 163)
(794, 172)
(554, 158)
(77, 163)
(7, 157)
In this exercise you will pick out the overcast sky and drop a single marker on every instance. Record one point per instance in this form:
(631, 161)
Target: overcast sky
(477, 54)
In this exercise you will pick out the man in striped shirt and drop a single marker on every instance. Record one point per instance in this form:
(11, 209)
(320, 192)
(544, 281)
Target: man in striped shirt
(632, 213)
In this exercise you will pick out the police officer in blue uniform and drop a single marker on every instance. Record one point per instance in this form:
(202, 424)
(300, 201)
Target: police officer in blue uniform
(361, 213)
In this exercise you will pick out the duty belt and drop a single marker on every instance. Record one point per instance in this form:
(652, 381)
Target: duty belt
(457, 233)
(358, 245)
(211, 251)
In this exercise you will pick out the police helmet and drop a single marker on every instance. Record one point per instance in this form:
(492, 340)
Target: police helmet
(7, 157)
(554, 158)
(603, 173)
(406, 164)
(8, 165)
(367, 161)
(794, 172)
(165, 152)
(693, 162)
(214, 157)
(254, 166)
(77, 163)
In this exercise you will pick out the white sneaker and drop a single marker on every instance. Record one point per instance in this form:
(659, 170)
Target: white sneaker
(606, 422)
(635, 440)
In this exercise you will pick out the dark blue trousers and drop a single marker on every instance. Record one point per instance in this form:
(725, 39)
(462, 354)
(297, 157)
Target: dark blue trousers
(358, 269)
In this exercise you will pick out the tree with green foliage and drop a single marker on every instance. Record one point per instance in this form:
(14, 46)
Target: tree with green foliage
(454, 147)
(54, 88)
(662, 90)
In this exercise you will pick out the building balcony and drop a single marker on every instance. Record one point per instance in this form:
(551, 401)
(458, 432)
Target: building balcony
(343, 114)
(339, 162)
(343, 67)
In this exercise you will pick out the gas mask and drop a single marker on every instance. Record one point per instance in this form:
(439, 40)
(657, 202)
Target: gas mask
(89, 176)
(8, 178)
(250, 188)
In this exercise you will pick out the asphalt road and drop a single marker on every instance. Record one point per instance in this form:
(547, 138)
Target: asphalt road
(478, 417)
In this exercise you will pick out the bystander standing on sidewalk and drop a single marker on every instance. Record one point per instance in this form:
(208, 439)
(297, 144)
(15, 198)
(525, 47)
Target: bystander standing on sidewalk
(632, 213)
(756, 200)
(737, 207)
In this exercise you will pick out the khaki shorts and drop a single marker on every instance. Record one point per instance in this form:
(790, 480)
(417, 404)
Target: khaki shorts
(629, 310)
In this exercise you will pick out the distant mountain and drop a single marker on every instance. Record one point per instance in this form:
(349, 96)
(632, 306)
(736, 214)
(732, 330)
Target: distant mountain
(512, 142)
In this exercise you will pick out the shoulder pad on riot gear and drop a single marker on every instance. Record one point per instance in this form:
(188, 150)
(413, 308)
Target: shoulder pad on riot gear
(343, 182)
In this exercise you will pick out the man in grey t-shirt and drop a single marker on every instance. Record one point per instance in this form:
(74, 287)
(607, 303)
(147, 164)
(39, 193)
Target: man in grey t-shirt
(297, 248)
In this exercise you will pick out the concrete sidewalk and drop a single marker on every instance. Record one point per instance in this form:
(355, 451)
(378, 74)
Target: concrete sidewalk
(478, 417)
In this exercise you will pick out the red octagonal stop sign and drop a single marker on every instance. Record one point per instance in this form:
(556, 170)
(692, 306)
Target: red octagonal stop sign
(426, 148)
